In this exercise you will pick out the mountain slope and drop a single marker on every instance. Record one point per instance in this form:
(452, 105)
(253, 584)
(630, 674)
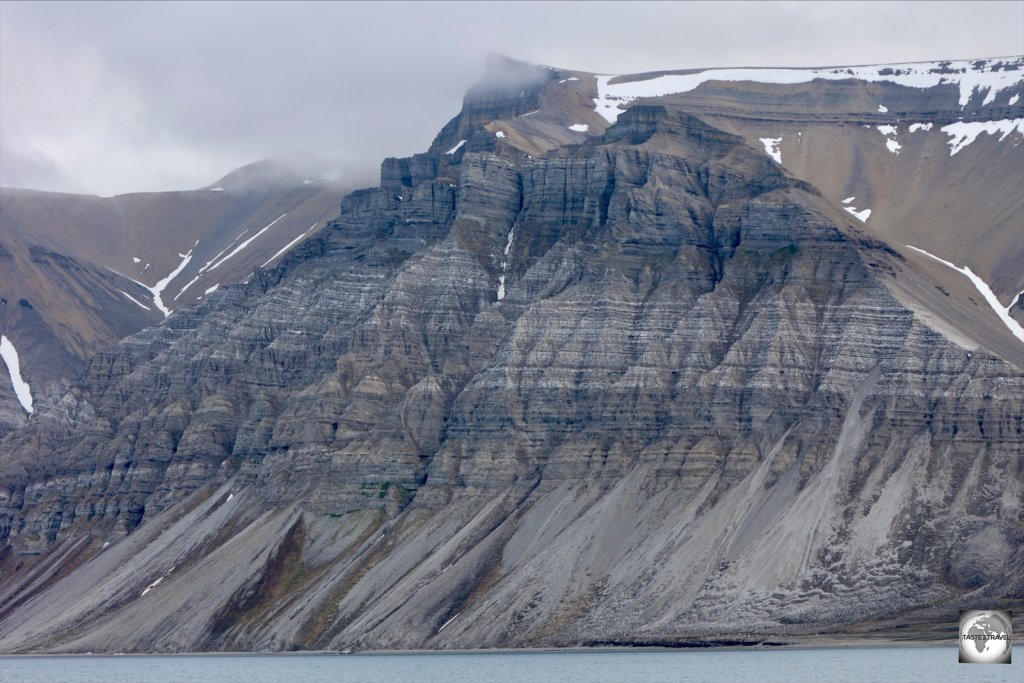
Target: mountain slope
(923, 148)
(639, 387)
(96, 269)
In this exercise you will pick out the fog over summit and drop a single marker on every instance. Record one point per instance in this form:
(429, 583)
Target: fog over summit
(109, 98)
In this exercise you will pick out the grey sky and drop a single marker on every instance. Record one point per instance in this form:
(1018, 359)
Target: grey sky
(120, 97)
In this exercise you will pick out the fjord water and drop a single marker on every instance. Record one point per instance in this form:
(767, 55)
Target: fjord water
(846, 665)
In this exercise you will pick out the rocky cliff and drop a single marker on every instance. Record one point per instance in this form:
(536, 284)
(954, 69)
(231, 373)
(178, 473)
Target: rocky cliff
(633, 385)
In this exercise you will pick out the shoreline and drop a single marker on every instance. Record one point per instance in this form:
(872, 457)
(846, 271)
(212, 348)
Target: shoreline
(824, 643)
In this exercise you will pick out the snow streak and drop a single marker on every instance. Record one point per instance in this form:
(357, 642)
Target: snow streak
(504, 264)
(1002, 311)
(289, 245)
(21, 387)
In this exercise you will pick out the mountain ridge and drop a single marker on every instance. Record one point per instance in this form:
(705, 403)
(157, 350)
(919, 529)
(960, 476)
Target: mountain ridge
(95, 269)
(652, 386)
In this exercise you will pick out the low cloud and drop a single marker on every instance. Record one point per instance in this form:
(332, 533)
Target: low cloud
(119, 97)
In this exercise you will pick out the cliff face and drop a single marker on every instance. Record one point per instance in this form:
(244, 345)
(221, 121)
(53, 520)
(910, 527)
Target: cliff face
(645, 387)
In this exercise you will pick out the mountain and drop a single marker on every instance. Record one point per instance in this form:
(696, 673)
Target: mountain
(609, 363)
(82, 272)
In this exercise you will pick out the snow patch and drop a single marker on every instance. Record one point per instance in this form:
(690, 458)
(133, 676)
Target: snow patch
(21, 387)
(890, 138)
(216, 189)
(848, 200)
(963, 133)
(211, 290)
(1002, 311)
(504, 264)
(106, 544)
(136, 259)
(579, 127)
(1013, 100)
(288, 246)
(455, 149)
(862, 216)
(157, 289)
(914, 127)
(499, 134)
(607, 102)
(883, 109)
(572, 78)
(971, 76)
(771, 148)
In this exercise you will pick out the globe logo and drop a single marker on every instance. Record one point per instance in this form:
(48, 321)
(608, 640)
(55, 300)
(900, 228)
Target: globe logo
(985, 637)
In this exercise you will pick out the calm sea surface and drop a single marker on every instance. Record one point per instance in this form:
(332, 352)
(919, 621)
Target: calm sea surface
(927, 664)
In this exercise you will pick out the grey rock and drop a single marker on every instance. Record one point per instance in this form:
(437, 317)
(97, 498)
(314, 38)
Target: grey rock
(699, 410)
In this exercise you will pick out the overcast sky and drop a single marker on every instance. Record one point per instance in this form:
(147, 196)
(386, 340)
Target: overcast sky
(122, 97)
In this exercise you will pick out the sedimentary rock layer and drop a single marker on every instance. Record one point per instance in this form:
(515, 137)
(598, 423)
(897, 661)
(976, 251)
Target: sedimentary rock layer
(700, 409)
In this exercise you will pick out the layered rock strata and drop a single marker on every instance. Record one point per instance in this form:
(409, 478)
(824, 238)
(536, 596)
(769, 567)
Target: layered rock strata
(701, 409)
